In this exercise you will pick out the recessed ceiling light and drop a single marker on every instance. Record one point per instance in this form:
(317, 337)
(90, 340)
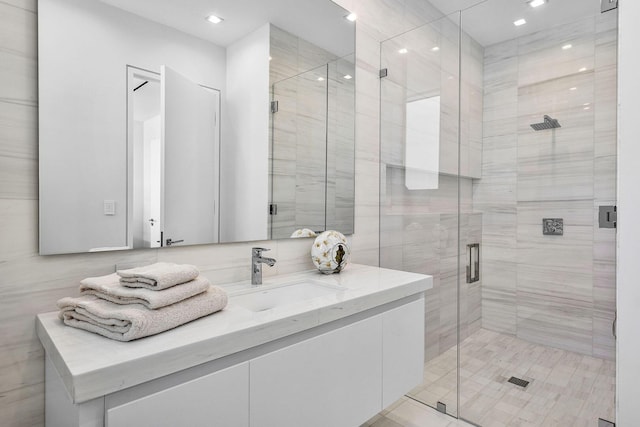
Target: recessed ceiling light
(573, 88)
(582, 69)
(320, 79)
(587, 108)
(586, 103)
(536, 3)
(348, 77)
(435, 48)
(403, 50)
(351, 17)
(567, 46)
(519, 22)
(214, 19)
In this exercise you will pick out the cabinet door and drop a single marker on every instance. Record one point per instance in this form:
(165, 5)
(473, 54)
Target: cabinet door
(218, 399)
(403, 353)
(334, 379)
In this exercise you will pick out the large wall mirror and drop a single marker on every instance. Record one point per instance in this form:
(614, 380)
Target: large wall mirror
(160, 128)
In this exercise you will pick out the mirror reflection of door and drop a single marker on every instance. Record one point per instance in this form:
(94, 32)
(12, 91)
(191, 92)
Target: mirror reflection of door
(190, 141)
(144, 99)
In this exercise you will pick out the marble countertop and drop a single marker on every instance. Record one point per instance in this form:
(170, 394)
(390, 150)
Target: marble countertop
(92, 366)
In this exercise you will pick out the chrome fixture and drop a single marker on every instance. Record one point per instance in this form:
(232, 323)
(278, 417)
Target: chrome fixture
(548, 123)
(256, 264)
(473, 268)
(173, 242)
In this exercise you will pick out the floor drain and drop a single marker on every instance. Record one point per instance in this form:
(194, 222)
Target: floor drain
(519, 382)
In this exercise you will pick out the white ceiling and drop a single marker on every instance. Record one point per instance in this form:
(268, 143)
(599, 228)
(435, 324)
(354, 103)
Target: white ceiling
(487, 21)
(318, 21)
(491, 21)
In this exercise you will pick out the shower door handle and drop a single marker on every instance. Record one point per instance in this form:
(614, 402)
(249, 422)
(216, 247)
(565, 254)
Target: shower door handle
(473, 267)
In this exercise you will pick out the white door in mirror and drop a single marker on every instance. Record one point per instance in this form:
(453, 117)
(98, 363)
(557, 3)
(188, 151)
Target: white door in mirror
(189, 138)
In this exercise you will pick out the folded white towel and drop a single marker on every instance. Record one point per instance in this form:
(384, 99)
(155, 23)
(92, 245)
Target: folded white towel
(161, 275)
(133, 321)
(109, 288)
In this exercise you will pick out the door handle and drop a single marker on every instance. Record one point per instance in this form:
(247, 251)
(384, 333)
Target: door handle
(171, 241)
(473, 268)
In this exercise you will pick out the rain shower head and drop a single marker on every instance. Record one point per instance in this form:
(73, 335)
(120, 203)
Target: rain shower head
(548, 123)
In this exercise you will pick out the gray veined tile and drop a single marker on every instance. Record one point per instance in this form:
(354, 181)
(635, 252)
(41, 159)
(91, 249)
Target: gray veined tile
(18, 178)
(19, 227)
(556, 36)
(500, 127)
(18, 130)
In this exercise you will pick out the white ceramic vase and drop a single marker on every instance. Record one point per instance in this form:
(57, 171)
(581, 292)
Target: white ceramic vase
(330, 252)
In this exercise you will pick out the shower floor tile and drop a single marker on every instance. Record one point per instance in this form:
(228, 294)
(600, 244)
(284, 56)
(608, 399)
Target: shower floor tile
(409, 413)
(566, 388)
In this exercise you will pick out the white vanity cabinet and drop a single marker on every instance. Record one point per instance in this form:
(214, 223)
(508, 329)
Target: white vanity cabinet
(335, 362)
(341, 378)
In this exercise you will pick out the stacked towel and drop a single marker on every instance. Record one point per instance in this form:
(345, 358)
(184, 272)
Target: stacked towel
(139, 302)
(111, 289)
(132, 321)
(161, 275)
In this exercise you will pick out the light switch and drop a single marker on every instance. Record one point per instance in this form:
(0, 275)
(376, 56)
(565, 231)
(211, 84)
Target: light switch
(109, 207)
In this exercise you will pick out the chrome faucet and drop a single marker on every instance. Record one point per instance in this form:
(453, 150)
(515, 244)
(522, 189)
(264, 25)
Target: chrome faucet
(256, 264)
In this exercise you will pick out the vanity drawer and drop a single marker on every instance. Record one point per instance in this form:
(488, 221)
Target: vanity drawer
(334, 379)
(217, 399)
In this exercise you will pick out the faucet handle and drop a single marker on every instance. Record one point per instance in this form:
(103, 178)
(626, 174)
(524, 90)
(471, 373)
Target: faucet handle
(258, 251)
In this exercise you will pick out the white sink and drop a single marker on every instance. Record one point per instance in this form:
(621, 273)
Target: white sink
(266, 298)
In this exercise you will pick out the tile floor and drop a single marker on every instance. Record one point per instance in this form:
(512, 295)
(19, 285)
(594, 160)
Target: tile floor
(407, 412)
(566, 389)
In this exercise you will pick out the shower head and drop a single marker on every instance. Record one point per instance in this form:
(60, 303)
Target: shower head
(548, 123)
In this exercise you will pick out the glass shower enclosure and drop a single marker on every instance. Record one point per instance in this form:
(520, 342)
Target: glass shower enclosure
(498, 175)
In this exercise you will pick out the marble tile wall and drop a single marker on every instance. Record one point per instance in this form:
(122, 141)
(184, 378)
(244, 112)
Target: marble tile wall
(31, 284)
(553, 290)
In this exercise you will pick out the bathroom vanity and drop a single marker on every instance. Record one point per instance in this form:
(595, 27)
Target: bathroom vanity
(301, 350)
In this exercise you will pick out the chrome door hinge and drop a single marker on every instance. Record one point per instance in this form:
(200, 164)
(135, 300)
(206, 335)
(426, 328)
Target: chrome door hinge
(274, 106)
(608, 216)
(607, 5)
(383, 72)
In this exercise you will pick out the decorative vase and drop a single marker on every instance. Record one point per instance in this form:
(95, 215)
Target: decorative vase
(330, 252)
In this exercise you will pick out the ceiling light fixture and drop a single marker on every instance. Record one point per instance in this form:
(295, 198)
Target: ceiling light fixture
(536, 3)
(573, 88)
(403, 50)
(435, 48)
(582, 69)
(351, 17)
(320, 79)
(567, 46)
(519, 22)
(214, 19)
(348, 77)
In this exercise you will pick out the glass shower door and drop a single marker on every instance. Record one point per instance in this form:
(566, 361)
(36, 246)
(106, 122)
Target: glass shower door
(420, 187)
(545, 355)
